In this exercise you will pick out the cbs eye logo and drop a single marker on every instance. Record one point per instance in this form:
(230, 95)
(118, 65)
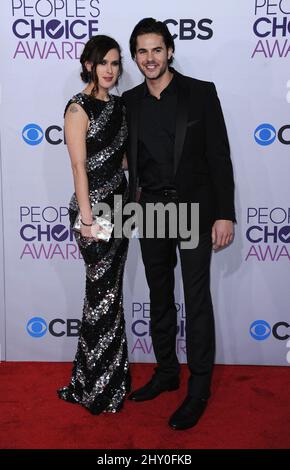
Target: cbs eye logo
(32, 134)
(36, 327)
(265, 134)
(260, 330)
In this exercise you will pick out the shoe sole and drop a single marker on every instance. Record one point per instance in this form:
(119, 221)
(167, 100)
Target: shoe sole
(175, 428)
(171, 389)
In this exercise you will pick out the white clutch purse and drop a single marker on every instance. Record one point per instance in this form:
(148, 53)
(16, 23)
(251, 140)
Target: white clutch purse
(101, 228)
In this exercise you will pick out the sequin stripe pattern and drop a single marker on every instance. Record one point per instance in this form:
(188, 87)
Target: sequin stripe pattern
(95, 402)
(114, 187)
(97, 125)
(112, 338)
(89, 399)
(100, 375)
(94, 309)
(97, 389)
(100, 193)
(93, 355)
(96, 271)
(98, 159)
(106, 393)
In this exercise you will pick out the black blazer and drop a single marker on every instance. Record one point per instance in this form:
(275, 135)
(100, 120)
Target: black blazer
(202, 164)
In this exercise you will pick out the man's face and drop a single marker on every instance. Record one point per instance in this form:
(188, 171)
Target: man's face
(152, 55)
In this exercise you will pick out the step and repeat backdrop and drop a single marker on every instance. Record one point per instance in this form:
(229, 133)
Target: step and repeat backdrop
(243, 46)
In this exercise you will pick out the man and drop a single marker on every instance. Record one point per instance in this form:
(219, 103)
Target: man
(178, 152)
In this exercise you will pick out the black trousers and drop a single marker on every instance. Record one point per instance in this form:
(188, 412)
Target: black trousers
(159, 258)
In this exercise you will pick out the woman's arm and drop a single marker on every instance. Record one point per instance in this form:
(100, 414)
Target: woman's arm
(75, 126)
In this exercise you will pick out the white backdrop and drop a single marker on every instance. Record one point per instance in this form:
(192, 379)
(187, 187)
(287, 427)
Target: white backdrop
(234, 44)
(2, 302)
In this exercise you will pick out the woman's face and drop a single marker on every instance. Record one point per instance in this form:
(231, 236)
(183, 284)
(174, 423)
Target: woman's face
(108, 71)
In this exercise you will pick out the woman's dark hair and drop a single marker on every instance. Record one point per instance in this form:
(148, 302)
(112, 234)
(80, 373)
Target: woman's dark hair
(94, 51)
(147, 26)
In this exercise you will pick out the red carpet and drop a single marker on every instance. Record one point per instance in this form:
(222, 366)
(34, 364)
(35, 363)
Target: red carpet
(249, 409)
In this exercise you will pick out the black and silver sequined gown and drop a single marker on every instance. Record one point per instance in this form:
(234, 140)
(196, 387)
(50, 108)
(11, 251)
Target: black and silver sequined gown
(100, 375)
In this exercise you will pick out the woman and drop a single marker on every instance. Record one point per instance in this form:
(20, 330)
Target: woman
(96, 132)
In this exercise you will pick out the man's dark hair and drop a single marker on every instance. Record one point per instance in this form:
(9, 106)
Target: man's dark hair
(148, 26)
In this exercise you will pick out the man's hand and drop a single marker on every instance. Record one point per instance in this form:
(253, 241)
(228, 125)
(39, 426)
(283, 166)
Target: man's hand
(222, 233)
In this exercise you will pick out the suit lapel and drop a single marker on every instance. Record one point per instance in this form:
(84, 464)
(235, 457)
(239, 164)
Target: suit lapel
(181, 120)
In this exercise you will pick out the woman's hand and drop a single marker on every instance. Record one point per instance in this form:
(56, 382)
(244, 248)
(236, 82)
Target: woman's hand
(86, 231)
(89, 232)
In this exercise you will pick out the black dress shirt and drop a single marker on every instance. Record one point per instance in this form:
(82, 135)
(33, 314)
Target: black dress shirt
(156, 137)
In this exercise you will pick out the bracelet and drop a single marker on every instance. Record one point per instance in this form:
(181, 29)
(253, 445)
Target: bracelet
(86, 225)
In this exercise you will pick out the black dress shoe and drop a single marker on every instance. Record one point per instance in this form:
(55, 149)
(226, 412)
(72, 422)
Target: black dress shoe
(188, 414)
(153, 388)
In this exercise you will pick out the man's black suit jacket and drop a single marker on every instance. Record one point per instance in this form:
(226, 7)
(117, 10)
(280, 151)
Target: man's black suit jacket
(202, 165)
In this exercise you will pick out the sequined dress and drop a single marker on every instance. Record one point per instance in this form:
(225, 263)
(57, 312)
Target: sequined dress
(100, 376)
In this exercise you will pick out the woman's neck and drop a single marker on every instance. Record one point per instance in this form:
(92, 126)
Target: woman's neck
(101, 94)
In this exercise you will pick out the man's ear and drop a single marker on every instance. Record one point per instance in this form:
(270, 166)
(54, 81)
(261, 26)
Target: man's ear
(169, 53)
